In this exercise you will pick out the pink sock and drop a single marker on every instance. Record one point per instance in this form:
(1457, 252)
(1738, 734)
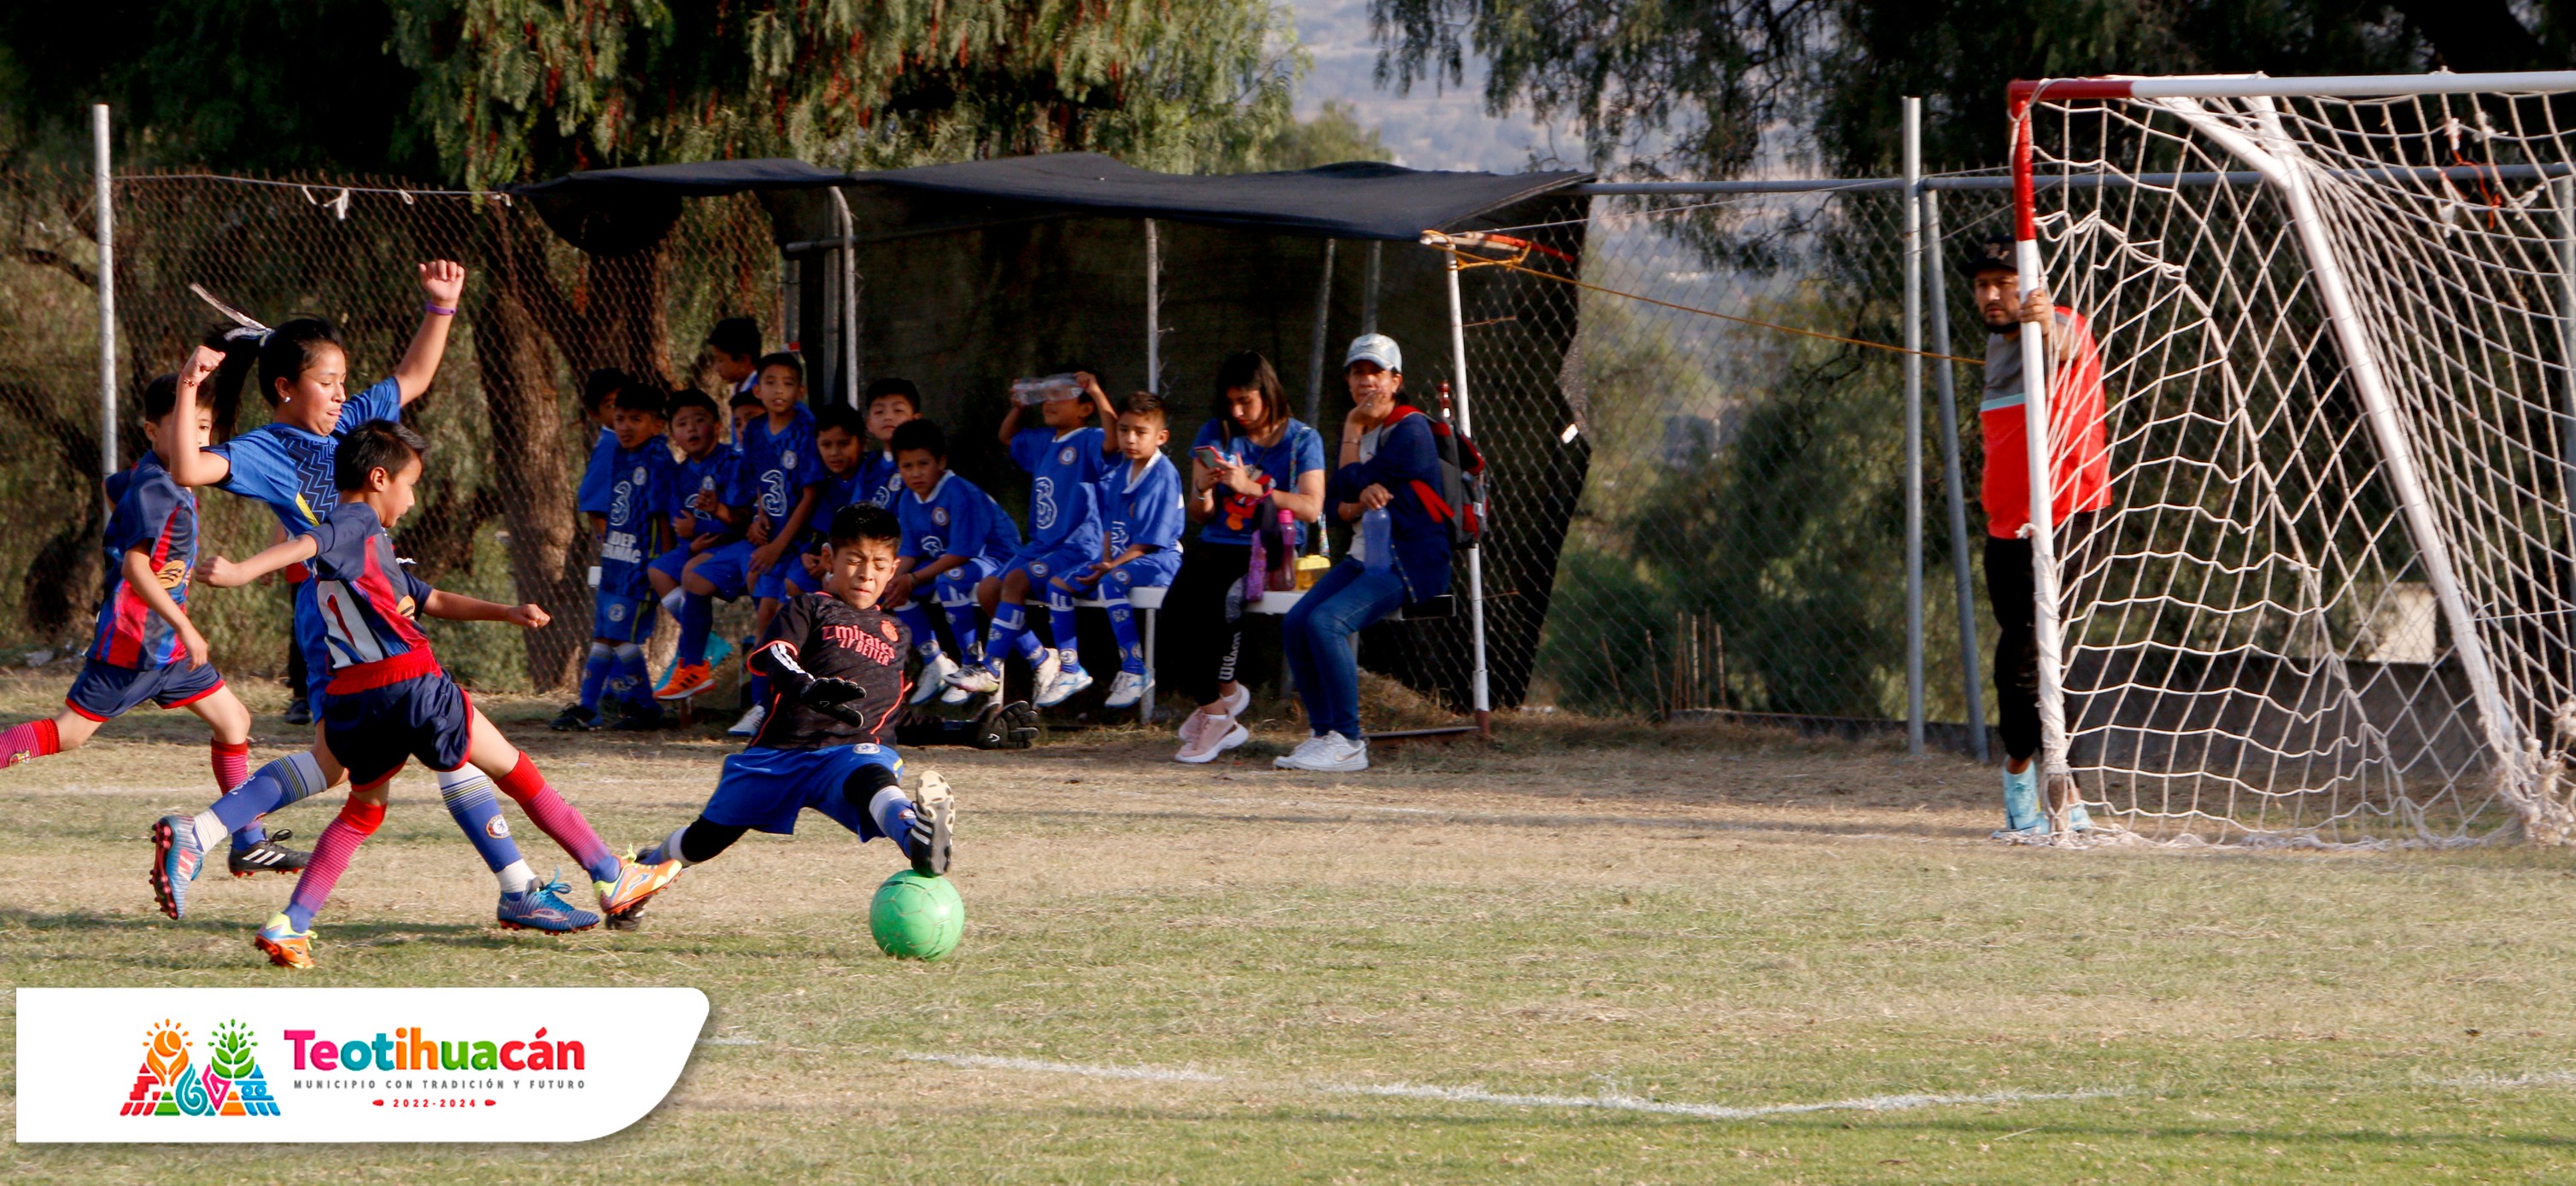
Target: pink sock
(232, 764)
(331, 854)
(558, 819)
(35, 739)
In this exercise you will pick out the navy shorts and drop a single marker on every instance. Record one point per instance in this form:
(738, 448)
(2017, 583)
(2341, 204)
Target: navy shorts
(763, 789)
(374, 732)
(729, 569)
(106, 691)
(1045, 563)
(670, 563)
(621, 619)
(1153, 570)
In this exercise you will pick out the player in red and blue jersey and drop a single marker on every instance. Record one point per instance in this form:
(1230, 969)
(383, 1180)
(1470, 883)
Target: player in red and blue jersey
(700, 520)
(772, 500)
(145, 648)
(1142, 519)
(1064, 460)
(954, 536)
(835, 668)
(389, 701)
(633, 528)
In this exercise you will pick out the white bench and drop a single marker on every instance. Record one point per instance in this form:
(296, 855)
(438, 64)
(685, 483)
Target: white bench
(1147, 602)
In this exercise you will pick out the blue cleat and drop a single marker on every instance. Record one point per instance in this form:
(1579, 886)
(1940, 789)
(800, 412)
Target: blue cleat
(543, 909)
(176, 860)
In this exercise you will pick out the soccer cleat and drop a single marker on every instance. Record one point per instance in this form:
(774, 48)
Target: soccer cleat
(299, 711)
(267, 856)
(635, 882)
(641, 718)
(686, 680)
(1126, 691)
(286, 946)
(749, 725)
(1331, 753)
(1042, 675)
(1006, 726)
(1214, 738)
(542, 908)
(934, 810)
(574, 718)
(1067, 685)
(975, 679)
(176, 861)
(934, 677)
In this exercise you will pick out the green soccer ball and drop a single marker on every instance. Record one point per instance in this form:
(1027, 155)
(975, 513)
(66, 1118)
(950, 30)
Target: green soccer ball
(916, 917)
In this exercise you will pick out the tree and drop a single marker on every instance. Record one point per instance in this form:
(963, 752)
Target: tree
(1332, 136)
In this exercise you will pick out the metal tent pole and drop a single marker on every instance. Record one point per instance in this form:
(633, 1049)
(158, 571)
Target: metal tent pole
(1475, 555)
(1315, 357)
(1368, 288)
(1153, 309)
(106, 299)
(1913, 426)
(1952, 485)
(849, 299)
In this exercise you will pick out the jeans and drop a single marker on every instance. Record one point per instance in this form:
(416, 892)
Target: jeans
(1318, 636)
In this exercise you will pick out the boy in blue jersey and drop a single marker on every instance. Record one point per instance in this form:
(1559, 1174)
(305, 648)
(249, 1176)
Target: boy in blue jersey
(772, 500)
(699, 519)
(838, 435)
(1141, 515)
(891, 404)
(733, 353)
(144, 647)
(1065, 460)
(389, 702)
(633, 530)
(598, 408)
(835, 667)
(954, 536)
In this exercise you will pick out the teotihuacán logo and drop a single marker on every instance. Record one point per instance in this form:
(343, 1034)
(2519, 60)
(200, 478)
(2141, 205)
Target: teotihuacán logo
(421, 1064)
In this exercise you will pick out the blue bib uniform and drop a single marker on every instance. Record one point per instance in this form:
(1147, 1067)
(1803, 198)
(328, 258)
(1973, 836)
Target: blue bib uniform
(776, 468)
(957, 517)
(1064, 511)
(1143, 509)
(641, 497)
(711, 474)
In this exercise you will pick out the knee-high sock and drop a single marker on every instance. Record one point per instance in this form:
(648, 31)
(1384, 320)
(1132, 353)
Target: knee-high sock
(595, 671)
(694, 843)
(477, 811)
(697, 616)
(1062, 629)
(34, 739)
(290, 779)
(916, 617)
(958, 599)
(1122, 622)
(339, 842)
(633, 684)
(1010, 636)
(559, 819)
(232, 768)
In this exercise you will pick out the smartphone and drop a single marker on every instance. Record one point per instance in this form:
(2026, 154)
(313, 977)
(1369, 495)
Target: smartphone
(1208, 456)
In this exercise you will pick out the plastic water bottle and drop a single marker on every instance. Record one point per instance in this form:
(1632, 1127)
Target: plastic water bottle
(1377, 540)
(1045, 389)
(1257, 576)
(1283, 565)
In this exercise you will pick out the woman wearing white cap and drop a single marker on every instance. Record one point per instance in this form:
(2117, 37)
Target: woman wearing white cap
(1390, 459)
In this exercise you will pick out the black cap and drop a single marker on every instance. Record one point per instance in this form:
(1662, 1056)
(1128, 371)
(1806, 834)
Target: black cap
(1995, 251)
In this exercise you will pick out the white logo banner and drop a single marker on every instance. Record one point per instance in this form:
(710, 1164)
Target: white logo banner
(347, 1064)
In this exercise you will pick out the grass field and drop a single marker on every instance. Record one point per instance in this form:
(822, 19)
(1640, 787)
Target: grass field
(1580, 955)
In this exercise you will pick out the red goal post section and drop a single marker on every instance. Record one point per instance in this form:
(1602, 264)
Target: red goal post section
(2525, 776)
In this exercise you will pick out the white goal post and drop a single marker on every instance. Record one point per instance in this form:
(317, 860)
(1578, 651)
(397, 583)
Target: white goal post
(2333, 595)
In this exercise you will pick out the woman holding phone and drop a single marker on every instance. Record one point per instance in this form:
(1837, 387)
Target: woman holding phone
(1249, 463)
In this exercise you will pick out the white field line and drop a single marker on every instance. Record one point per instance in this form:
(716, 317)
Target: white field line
(1471, 1095)
(2529, 1079)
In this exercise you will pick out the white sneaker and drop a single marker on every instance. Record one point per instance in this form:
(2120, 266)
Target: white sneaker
(1067, 685)
(934, 677)
(1216, 736)
(749, 725)
(970, 681)
(1042, 676)
(1126, 690)
(1331, 753)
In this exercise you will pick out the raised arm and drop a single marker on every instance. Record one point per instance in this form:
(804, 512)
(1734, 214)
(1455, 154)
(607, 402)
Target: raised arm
(188, 464)
(226, 574)
(1011, 423)
(442, 283)
(1108, 411)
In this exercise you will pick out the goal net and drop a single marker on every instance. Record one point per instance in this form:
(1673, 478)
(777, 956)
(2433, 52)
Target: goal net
(2330, 597)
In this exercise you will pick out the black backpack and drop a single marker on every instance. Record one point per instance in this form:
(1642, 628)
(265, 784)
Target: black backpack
(1459, 503)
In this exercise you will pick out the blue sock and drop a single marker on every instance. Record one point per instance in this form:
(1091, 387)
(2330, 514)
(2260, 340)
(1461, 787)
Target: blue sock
(1122, 622)
(960, 606)
(697, 616)
(633, 684)
(595, 672)
(1061, 628)
(475, 803)
(282, 782)
(760, 691)
(916, 617)
(886, 810)
(1010, 636)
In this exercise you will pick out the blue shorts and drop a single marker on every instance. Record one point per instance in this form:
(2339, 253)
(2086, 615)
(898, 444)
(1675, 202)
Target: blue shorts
(729, 569)
(315, 642)
(799, 581)
(670, 563)
(763, 789)
(1046, 562)
(621, 619)
(106, 691)
(1153, 570)
(373, 732)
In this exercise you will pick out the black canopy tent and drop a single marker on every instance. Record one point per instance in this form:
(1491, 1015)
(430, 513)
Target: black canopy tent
(962, 276)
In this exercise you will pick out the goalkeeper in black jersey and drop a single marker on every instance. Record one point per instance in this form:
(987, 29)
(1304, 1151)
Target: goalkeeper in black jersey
(835, 668)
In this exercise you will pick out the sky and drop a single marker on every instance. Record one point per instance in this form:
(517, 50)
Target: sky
(1427, 129)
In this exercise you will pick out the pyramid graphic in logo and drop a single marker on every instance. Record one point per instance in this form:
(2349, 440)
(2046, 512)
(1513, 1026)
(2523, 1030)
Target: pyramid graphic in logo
(230, 1084)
